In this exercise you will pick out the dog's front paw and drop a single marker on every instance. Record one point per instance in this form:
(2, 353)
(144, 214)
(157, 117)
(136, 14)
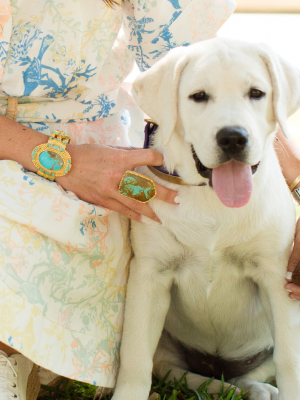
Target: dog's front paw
(259, 391)
(131, 392)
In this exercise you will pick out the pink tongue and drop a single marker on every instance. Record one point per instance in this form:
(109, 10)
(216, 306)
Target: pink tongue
(233, 183)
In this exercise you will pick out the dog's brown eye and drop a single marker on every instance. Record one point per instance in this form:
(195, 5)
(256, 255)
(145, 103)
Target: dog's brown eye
(256, 94)
(199, 97)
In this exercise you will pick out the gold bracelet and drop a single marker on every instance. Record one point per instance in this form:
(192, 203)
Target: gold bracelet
(295, 183)
(52, 159)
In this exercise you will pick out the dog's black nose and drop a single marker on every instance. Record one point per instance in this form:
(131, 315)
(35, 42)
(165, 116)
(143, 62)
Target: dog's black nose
(232, 140)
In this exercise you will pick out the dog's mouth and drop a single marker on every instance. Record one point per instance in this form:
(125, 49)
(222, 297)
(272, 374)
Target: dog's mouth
(232, 181)
(207, 172)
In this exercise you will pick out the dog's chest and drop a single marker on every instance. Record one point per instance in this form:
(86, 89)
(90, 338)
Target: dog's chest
(211, 298)
(200, 223)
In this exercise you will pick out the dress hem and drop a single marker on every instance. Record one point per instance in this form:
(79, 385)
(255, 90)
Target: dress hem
(74, 346)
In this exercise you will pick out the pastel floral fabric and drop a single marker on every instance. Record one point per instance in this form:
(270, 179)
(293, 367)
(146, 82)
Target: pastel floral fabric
(64, 262)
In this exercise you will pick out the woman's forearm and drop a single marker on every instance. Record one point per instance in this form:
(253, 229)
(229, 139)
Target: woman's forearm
(288, 154)
(17, 142)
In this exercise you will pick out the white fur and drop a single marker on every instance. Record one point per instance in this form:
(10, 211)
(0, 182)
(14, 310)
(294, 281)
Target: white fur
(214, 276)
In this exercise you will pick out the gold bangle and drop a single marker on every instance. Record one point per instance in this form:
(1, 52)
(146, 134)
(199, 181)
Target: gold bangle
(51, 159)
(295, 183)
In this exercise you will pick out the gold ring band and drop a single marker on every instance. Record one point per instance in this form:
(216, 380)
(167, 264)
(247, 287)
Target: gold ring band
(294, 183)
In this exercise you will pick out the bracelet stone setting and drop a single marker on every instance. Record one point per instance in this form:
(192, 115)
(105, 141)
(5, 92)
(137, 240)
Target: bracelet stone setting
(52, 159)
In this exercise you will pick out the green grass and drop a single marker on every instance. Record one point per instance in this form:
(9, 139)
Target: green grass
(70, 390)
(179, 390)
(167, 390)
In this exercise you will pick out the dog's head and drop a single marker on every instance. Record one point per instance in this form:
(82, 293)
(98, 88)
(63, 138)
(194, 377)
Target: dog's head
(217, 104)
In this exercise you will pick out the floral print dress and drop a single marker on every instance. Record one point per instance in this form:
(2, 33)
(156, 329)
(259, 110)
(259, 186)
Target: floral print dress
(64, 262)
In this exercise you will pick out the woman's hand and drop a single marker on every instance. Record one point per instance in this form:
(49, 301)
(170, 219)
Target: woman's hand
(293, 261)
(97, 171)
(288, 154)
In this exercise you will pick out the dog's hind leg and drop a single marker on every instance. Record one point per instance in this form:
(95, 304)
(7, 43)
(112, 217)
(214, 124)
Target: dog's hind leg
(167, 358)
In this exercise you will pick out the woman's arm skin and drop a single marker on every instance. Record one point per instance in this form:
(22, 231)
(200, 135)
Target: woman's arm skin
(289, 158)
(96, 169)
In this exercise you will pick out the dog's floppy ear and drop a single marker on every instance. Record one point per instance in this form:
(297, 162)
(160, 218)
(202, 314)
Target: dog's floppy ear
(156, 90)
(286, 85)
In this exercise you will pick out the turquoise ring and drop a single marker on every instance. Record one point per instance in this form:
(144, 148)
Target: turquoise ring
(137, 187)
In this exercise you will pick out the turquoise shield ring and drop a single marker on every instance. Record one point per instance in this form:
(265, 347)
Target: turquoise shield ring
(137, 187)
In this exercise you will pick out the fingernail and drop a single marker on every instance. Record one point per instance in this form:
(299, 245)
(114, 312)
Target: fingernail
(294, 299)
(176, 200)
(156, 219)
(288, 275)
(288, 290)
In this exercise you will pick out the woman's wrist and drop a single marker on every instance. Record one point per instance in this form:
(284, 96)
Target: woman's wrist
(18, 141)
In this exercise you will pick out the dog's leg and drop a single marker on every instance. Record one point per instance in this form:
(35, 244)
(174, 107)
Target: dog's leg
(254, 382)
(285, 326)
(258, 390)
(167, 358)
(147, 303)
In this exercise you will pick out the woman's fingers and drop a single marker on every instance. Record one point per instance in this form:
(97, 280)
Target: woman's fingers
(294, 291)
(140, 208)
(294, 259)
(119, 207)
(150, 157)
(124, 148)
(145, 157)
(97, 173)
(129, 208)
(294, 267)
(295, 255)
(165, 194)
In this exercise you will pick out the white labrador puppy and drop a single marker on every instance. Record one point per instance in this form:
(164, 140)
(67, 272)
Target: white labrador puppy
(206, 287)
